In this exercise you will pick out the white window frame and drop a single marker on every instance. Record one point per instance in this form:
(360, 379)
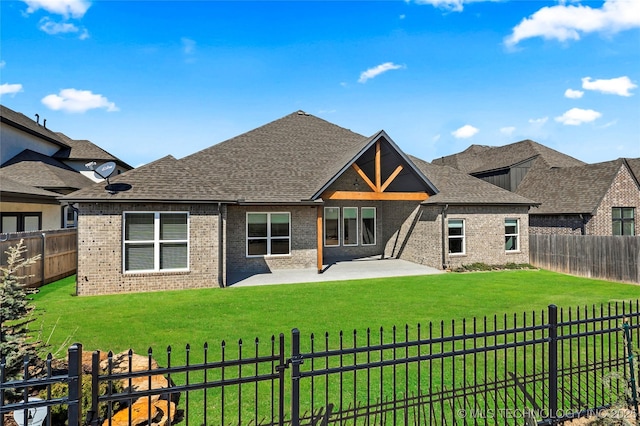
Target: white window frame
(462, 237)
(375, 226)
(324, 223)
(269, 238)
(357, 239)
(517, 234)
(157, 242)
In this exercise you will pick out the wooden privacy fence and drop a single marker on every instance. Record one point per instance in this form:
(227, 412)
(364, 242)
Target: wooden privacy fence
(58, 250)
(615, 258)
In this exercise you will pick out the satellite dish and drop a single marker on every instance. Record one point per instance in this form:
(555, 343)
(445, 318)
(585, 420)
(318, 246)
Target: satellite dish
(105, 170)
(35, 416)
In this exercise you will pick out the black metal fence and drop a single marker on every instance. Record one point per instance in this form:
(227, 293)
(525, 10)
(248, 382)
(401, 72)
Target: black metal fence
(539, 367)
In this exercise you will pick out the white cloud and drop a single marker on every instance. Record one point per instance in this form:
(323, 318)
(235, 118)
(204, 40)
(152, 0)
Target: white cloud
(402, 16)
(573, 94)
(188, 45)
(615, 86)
(51, 27)
(465, 132)
(507, 130)
(10, 89)
(567, 22)
(449, 5)
(538, 121)
(66, 8)
(2, 64)
(377, 70)
(577, 116)
(73, 100)
(436, 138)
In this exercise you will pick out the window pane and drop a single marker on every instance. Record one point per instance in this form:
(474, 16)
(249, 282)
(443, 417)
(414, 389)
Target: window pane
(455, 245)
(368, 225)
(280, 225)
(617, 227)
(511, 243)
(331, 228)
(628, 228)
(456, 227)
(616, 212)
(257, 247)
(31, 223)
(173, 256)
(627, 213)
(138, 226)
(280, 246)
(511, 226)
(173, 226)
(257, 225)
(350, 226)
(9, 224)
(138, 257)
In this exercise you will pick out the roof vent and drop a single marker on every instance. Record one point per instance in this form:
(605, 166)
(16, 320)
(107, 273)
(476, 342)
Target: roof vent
(301, 112)
(37, 118)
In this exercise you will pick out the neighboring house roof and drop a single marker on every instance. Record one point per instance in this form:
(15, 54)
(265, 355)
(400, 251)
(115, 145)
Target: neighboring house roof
(478, 158)
(84, 150)
(28, 125)
(570, 190)
(457, 187)
(11, 188)
(39, 170)
(290, 160)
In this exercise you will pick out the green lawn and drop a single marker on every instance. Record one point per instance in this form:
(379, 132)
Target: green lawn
(175, 318)
(144, 320)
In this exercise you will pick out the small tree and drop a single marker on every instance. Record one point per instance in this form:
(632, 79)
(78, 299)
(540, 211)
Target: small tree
(15, 311)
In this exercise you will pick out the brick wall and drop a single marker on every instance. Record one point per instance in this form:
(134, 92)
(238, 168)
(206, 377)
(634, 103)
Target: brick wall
(556, 224)
(303, 240)
(100, 269)
(624, 192)
(484, 236)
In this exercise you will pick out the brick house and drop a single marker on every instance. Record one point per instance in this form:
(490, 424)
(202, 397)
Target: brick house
(574, 198)
(37, 166)
(299, 192)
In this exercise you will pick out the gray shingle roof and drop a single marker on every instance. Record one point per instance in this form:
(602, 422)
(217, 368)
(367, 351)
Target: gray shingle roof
(26, 124)
(478, 158)
(84, 150)
(457, 187)
(35, 169)
(634, 165)
(569, 190)
(10, 186)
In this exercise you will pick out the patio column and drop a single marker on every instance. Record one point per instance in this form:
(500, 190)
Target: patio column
(319, 238)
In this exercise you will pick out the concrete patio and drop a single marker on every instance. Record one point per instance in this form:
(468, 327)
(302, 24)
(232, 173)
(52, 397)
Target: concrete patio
(342, 270)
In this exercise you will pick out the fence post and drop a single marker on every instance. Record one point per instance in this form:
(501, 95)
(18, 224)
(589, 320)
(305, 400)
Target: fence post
(295, 377)
(553, 363)
(75, 384)
(632, 374)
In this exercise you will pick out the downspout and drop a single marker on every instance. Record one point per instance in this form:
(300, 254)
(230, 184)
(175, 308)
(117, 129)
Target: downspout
(444, 254)
(221, 282)
(44, 246)
(583, 225)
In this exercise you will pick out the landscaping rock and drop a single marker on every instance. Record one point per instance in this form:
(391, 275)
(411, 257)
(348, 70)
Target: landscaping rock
(120, 363)
(162, 413)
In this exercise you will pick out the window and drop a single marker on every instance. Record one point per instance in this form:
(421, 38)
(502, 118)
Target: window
(623, 221)
(368, 226)
(69, 217)
(20, 222)
(350, 226)
(331, 226)
(456, 236)
(156, 241)
(511, 235)
(268, 234)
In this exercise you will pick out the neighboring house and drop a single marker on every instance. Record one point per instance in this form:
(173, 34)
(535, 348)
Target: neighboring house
(298, 192)
(574, 197)
(37, 166)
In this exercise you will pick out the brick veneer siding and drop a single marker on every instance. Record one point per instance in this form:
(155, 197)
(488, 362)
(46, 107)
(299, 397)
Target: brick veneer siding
(556, 224)
(484, 236)
(303, 240)
(624, 192)
(100, 269)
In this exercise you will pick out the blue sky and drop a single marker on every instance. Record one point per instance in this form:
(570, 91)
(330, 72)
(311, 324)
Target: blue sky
(144, 79)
